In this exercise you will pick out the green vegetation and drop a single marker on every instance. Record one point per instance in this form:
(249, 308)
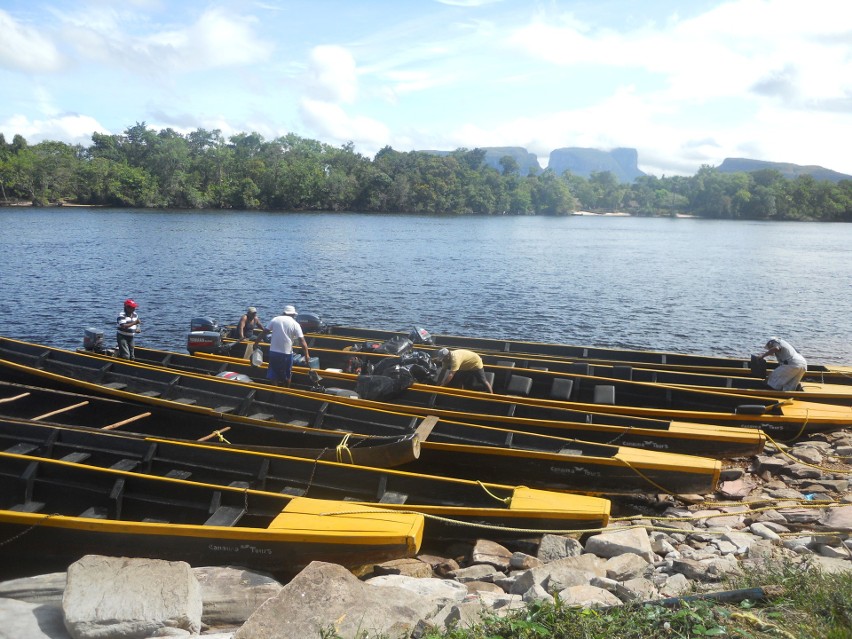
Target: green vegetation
(811, 605)
(165, 169)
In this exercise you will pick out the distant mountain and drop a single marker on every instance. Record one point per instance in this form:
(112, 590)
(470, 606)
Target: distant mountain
(622, 163)
(527, 162)
(789, 171)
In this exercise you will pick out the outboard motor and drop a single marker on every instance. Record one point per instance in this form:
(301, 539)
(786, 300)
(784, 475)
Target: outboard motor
(93, 341)
(310, 323)
(420, 335)
(204, 336)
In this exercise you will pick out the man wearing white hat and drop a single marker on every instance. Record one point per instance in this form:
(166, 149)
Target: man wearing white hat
(284, 331)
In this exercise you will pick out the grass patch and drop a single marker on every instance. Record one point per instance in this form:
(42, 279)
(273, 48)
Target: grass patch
(809, 605)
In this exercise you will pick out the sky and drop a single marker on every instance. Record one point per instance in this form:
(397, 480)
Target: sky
(686, 82)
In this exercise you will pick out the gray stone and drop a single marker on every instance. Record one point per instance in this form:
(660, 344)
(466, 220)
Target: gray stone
(838, 519)
(675, 585)
(637, 589)
(610, 544)
(807, 454)
(478, 572)
(474, 587)
(737, 488)
(626, 566)
(523, 561)
(490, 552)
(588, 597)
(127, 598)
(660, 543)
(410, 566)
(25, 620)
(39, 589)
(830, 565)
(764, 531)
(537, 593)
(802, 515)
(835, 553)
(800, 471)
(328, 598)
(764, 463)
(230, 595)
(440, 591)
(555, 547)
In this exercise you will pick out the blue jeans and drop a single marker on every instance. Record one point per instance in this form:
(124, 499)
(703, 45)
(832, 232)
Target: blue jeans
(280, 367)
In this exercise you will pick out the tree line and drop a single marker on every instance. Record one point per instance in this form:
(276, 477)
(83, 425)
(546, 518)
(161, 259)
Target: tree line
(146, 168)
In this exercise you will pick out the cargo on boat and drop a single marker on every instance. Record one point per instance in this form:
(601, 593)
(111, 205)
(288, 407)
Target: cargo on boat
(453, 448)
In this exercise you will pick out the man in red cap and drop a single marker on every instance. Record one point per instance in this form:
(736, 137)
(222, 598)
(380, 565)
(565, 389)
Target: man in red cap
(128, 326)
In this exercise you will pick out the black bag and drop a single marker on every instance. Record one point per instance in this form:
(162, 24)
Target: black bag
(383, 387)
(396, 346)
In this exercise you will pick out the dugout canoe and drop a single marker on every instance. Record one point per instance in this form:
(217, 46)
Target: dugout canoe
(785, 419)
(54, 512)
(514, 413)
(826, 373)
(454, 448)
(543, 374)
(43, 404)
(456, 509)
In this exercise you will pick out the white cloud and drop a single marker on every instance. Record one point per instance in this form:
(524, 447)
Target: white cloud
(333, 124)
(24, 49)
(332, 74)
(69, 128)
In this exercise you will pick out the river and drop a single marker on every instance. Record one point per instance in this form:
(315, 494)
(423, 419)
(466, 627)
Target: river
(691, 285)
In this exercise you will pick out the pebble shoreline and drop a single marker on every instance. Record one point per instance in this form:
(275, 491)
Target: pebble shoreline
(791, 504)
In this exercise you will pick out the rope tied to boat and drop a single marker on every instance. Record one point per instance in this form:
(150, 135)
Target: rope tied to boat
(803, 463)
(343, 447)
(221, 437)
(504, 500)
(653, 483)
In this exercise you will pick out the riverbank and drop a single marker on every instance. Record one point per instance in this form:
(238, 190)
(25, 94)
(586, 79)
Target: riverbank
(780, 518)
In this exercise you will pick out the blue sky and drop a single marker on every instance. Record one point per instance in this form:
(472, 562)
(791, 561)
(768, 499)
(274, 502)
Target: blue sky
(686, 83)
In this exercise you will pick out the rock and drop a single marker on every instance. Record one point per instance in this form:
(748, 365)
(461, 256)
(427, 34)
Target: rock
(25, 620)
(736, 489)
(537, 593)
(126, 598)
(626, 566)
(555, 547)
(588, 597)
(675, 585)
(764, 463)
(478, 572)
(831, 566)
(807, 454)
(38, 589)
(611, 544)
(490, 552)
(838, 519)
(800, 471)
(523, 561)
(832, 552)
(411, 567)
(441, 591)
(328, 598)
(764, 531)
(230, 595)
(474, 587)
(462, 615)
(802, 515)
(730, 474)
(638, 589)
(441, 566)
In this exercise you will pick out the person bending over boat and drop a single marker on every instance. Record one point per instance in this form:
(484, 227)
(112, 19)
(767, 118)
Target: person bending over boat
(791, 365)
(248, 323)
(128, 326)
(464, 367)
(284, 331)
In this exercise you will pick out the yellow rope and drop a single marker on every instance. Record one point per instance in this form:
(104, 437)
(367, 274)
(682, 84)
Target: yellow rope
(799, 461)
(761, 625)
(504, 500)
(221, 437)
(343, 447)
(652, 482)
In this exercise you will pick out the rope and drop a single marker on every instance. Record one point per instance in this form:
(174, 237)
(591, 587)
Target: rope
(504, 500)
(221, 437)
(26, 530)
(343, 447)
(653, 483)
(799, 461)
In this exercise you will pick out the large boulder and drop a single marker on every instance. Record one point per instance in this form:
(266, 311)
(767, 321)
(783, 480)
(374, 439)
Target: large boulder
(230, 595)
(123, 598)
(328, 598)
(24, 620)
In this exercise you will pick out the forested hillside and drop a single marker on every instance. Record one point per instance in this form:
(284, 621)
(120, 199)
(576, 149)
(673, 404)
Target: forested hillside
(165, 169)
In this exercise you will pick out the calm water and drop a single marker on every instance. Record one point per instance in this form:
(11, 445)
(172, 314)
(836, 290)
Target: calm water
(670, 284)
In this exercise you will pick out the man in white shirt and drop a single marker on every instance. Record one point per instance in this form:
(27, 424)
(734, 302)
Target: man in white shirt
(128, 326)
(791, 365)
(284, 331)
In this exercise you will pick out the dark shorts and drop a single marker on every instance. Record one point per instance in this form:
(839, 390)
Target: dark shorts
(466, 379)
(280, 367)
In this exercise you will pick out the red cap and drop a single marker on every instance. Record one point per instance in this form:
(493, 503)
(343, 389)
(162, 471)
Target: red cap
(129, 302)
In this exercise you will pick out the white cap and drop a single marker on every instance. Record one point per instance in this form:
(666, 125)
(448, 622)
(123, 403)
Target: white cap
(289, 310)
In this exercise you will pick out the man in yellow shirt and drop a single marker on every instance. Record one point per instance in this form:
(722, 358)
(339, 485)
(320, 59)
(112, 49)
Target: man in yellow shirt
(464, 367)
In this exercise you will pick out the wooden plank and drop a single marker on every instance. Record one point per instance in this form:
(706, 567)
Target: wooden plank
(124, 422)
(61, 410)
(12, 399)
(23, 448)
(214, 434)
(225, 516)
(116, 385)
